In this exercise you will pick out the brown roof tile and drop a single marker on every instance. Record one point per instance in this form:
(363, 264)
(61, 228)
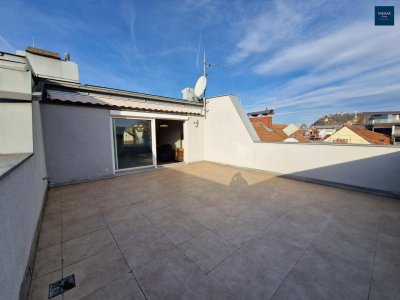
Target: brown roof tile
(370, 136)
(269, 132)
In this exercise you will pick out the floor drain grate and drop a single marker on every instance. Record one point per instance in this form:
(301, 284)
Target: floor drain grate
(61, 286)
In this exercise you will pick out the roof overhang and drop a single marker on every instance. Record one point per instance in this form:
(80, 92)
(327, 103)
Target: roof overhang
(113, 101)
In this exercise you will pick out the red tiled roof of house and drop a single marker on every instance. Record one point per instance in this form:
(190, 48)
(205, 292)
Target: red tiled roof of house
(370, 136)
(278, 128)
(269, 132)
(266, 120)
(264, 132)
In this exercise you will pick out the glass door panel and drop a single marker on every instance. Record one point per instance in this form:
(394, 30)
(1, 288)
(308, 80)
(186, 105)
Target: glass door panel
(132, 143)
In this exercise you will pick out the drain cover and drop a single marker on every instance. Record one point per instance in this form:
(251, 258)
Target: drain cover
(61, 286)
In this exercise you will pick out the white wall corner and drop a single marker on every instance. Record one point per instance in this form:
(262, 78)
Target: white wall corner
(245, 119)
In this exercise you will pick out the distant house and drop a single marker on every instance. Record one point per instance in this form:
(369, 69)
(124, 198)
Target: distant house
(328, 124)
(356, 135)
(323, 131)
(269, 132)
(387, 123)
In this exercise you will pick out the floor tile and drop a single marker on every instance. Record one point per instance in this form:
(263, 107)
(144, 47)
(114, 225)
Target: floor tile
(151, 204)
(209, 216)
(191, 203)
(52, 207)
(253, 213)
(307, 289)
(122, 214)
(383, 290)
(315, 272)
(87, 245)
(207, 250)
(51, 221)
(130, 227)
(75, 215)
(177, 226)
(49, 237)
(113, 204)
(95, 272)
(82, 227)
(40, 287)
(235, 231)
(124, 288)
(47, 260)
(79, 204)
(144, 245)
(386, 270)
(238, 277)
(275, 252)
(339, 250)
(167, 276)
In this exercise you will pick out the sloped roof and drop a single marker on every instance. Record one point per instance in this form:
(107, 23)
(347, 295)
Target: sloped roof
(370, 136)
(297, 135)
(121, 102)
(71, 92)
(274, 132)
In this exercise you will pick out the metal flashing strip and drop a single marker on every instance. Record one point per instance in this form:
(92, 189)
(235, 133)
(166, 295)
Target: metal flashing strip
(122, 113)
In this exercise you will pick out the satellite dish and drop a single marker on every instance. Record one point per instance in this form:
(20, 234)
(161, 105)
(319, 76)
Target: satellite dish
(200, 86)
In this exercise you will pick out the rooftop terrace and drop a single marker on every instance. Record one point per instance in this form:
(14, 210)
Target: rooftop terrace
(207, 231)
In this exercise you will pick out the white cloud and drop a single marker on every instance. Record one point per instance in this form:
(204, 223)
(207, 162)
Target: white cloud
(358, 41)
(355, 66)
(277, 25)
(196, 3)
(4, 44)
(266, 30)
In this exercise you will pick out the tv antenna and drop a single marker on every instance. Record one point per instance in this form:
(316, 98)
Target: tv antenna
(201, 85)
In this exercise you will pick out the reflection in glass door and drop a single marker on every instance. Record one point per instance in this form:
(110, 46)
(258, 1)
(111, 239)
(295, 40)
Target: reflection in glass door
(132, 143)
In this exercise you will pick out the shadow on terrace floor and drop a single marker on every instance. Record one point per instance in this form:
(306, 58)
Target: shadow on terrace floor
(206, 231)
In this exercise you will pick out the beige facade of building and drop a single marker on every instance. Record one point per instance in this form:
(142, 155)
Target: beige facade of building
(346, 136)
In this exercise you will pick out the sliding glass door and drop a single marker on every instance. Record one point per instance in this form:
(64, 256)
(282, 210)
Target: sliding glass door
(132, 143)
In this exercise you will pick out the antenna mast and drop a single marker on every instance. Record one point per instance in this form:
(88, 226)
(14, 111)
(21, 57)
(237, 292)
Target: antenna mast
(205, 75)
(204, 64)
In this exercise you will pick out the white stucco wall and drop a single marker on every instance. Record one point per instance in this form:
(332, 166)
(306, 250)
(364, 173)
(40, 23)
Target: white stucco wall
(228, 139)
(16, 128)
(15, 78)
(194, 139)
(53, 68)
(21, 198)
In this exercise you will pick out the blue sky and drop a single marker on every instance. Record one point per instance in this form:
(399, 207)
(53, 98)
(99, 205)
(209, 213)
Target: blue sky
(303, 58)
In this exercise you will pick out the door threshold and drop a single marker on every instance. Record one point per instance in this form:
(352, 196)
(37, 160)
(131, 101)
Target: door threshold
(170, 165)
(134, 170)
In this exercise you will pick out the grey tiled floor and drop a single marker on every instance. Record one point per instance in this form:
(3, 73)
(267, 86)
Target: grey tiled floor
(205, 231)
